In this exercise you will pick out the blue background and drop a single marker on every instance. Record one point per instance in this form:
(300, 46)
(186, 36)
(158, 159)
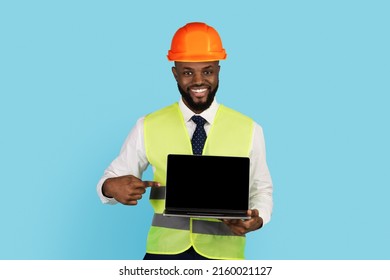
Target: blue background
(76, 75)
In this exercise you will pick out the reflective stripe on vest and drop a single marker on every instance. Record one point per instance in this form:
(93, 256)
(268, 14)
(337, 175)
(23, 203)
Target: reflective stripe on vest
(165, 133)
(160, 220)
(157, 193)
(200, 226)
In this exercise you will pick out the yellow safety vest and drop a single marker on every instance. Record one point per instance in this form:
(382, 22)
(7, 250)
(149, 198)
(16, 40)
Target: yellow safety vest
(165, 133)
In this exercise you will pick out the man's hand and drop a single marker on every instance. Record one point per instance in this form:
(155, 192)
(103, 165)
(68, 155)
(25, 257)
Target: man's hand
(126, 189)
(241, 227)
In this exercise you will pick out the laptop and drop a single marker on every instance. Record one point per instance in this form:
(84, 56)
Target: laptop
(207, 186)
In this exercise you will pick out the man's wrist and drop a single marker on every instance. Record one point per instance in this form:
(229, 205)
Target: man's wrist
(105, 190)
(261, 222)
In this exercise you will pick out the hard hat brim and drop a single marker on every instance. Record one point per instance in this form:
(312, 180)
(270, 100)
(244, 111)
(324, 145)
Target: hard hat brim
(196, 58)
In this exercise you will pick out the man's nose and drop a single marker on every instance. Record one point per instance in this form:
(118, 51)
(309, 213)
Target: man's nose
(197, 79)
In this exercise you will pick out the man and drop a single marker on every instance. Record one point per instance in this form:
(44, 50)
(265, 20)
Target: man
(196, 50)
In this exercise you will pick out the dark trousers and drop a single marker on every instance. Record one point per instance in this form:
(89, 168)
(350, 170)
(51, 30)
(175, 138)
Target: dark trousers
(190, 254)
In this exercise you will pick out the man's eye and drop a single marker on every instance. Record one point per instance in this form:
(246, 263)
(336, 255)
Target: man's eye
(187, 73)
(207, 73)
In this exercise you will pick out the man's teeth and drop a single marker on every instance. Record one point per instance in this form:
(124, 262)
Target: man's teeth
(199, 90)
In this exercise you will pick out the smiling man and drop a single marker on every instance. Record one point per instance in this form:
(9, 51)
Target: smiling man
(196, 50)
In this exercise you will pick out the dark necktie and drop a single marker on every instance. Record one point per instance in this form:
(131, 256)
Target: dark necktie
(199, 136)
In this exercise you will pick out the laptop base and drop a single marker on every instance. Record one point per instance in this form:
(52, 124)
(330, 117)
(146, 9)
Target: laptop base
(230, 216)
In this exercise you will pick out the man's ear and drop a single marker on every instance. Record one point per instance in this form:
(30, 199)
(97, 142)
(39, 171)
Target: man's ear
(174, 72)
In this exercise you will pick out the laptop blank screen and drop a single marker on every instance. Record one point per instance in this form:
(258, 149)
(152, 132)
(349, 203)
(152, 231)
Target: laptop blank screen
(207, 182)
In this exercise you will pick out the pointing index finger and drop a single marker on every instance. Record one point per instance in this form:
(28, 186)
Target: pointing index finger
(151, 184)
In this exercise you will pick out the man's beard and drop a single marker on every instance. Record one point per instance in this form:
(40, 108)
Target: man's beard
(197, 107)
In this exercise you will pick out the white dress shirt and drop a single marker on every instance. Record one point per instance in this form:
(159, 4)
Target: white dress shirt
(132, 160)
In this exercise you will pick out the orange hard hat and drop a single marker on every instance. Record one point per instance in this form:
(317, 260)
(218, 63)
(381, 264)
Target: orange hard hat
(196, 42)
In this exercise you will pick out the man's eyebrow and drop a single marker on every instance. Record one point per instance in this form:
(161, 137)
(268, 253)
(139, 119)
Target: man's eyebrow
(203, 68)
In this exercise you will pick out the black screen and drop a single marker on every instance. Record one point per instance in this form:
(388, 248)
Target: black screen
(207, 182)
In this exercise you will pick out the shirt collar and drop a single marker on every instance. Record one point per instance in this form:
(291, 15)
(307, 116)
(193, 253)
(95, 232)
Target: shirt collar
(208, 114)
